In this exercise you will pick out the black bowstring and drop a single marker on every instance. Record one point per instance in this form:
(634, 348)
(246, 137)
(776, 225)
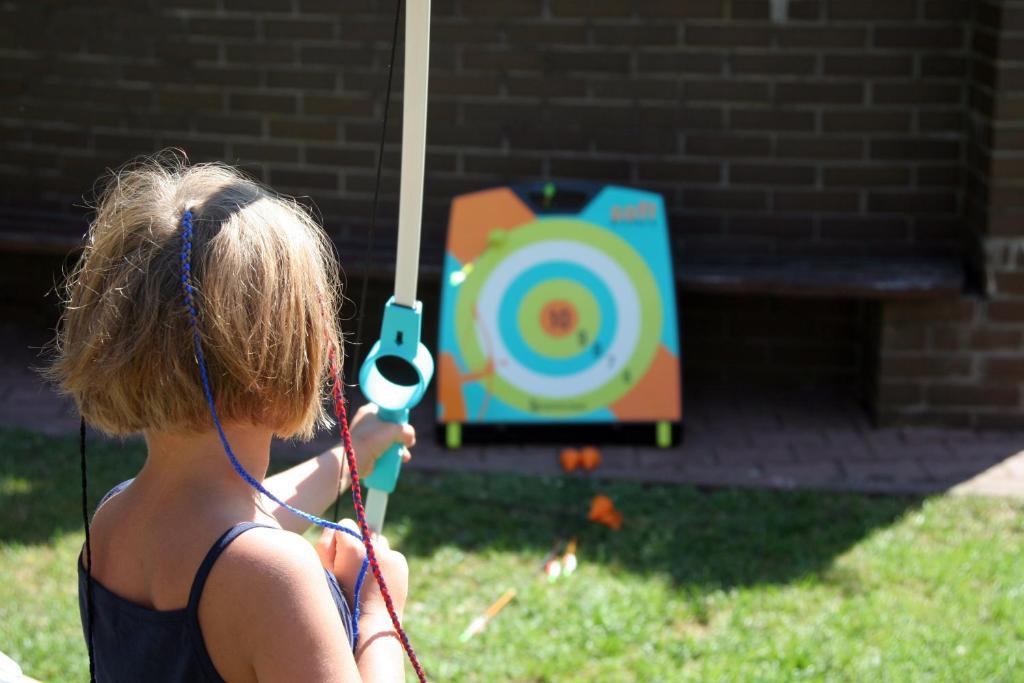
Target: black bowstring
(361, 310)
(88, 554)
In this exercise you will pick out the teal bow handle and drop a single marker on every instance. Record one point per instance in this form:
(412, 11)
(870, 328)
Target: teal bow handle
(395, 376)
(389, 465)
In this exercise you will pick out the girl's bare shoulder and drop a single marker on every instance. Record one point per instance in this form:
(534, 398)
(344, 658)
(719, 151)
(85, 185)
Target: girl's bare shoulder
(267, 601)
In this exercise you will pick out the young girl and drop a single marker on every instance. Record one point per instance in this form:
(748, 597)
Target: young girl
(195, 576)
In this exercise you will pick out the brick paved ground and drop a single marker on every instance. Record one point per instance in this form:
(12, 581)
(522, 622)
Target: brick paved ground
(733, 438)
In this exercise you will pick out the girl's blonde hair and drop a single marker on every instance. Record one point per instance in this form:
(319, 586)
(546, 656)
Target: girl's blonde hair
(267, 291)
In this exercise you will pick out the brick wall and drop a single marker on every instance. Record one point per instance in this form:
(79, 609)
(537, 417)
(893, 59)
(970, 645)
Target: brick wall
(854, 127)
(839, 130)
(962, 361)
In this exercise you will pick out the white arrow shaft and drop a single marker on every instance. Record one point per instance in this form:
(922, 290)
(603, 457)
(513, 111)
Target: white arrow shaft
(376, 509)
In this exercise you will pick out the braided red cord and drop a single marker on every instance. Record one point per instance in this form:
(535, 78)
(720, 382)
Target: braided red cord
(357, 501)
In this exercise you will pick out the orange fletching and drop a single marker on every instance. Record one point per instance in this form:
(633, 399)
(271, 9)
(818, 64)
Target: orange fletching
(600, 506)
(570, 459)
(602, 511)
(590, 458)
(614, 520)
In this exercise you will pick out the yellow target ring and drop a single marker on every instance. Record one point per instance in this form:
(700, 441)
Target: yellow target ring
(559, 318)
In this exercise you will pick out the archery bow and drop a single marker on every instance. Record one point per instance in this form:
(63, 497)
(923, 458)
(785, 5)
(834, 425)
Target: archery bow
(398, 367)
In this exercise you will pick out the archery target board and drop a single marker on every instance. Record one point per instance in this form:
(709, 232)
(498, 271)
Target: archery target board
(556, 317)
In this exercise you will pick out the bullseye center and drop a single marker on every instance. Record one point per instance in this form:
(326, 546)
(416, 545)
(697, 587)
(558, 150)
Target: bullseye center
(559, 318)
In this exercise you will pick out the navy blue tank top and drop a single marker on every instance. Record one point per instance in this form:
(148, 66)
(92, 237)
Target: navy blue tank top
(134, 643)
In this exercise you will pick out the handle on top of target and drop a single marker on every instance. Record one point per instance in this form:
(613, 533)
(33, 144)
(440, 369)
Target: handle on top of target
(566, 197)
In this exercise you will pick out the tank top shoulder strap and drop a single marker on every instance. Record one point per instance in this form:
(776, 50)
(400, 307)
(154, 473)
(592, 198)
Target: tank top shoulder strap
(113, 492)
(193, 630)
(211, 556)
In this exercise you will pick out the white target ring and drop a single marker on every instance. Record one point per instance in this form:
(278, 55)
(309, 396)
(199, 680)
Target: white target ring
(611, 362)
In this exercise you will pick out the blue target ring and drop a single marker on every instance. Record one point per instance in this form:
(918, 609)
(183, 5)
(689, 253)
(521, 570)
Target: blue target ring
(590, 352)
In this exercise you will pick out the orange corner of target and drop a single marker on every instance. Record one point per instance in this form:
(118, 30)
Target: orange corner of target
(475, 216)
(449, 389)
(656, 395)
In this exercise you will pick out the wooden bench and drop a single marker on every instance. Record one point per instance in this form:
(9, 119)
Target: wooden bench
(29, 230)
(863, 278)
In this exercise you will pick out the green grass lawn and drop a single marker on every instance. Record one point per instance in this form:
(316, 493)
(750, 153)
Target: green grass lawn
(702, 586)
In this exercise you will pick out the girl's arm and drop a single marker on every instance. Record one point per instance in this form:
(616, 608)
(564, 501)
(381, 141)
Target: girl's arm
(267, 615)
(314, 484)
(379, 656)
(311, 485)
(379, 653)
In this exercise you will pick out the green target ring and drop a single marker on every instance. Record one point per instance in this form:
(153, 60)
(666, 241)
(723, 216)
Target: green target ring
(614, 370)
(586, 312)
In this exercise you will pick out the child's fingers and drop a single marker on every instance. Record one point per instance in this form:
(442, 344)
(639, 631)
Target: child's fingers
(349, 541)
(406, 455)
(347, 558)
(367, 409)
(349, 524)
(404, 434)
(350, 550)
(408, 435)
(326, 548)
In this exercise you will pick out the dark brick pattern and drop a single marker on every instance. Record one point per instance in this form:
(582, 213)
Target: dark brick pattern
(865, 127)
(962, 362)
(764, 137)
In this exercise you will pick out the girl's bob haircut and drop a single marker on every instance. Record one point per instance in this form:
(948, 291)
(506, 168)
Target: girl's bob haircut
(267, 291)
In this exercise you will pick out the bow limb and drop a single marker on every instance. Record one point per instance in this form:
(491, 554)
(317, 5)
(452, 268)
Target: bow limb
(398, 368)
(414, 145)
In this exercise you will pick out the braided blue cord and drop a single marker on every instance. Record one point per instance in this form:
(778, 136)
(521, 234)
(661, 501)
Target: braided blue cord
(186, 281)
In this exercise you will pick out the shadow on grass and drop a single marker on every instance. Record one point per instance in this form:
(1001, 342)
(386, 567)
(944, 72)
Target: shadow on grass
(719, 538)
